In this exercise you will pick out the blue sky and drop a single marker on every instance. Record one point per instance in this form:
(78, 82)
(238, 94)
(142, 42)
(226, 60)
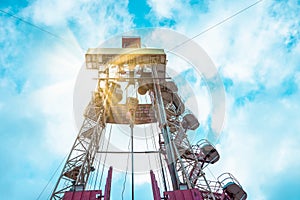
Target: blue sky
(256, 53)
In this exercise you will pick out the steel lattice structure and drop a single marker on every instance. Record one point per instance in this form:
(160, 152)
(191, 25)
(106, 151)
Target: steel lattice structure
(184, 163)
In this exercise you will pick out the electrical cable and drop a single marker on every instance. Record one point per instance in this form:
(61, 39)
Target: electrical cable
(124, 183)
(215, 25)
(175, 47)
(60, 38)
(147, 147)
(153, 136)
(37, 27)
(158, 160)
(98, 167)
(51, 178)
(33, 25)
(109, 136)
(211, 173)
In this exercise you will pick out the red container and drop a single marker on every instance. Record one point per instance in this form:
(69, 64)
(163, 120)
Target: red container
(83, 195)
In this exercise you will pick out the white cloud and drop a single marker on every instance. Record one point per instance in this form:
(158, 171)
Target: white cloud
(163, 9)
(260, 142)
(80, 24)
(55, 103)
(259, 138)
(52, 12)
(288, 152)
(239, 44)
(90, 21)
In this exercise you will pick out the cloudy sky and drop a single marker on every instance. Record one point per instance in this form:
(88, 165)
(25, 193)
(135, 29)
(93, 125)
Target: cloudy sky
(256, 54)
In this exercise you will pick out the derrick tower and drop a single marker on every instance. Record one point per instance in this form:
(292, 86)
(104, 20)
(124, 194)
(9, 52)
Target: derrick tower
(133, 89)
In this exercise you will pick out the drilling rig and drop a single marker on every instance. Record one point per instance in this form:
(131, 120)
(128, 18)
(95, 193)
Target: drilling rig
(133, 89)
